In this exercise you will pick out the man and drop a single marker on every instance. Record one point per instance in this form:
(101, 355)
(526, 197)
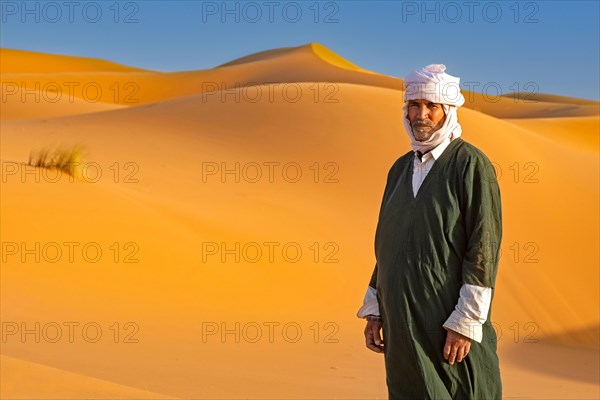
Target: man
(437, 245)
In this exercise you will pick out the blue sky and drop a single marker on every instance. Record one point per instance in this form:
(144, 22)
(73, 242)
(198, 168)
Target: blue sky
(494, 46)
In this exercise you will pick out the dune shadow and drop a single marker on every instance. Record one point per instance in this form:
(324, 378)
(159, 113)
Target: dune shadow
(572, 355)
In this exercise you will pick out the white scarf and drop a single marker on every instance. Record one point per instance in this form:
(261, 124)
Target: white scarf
(450, 128)
(433, 84)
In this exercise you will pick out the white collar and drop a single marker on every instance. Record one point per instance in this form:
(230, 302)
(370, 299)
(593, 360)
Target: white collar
(436, 152)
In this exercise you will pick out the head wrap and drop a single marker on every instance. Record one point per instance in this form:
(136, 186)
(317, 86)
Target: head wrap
(432, 84)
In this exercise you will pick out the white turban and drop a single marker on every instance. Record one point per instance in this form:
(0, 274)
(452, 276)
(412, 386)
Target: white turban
(433, 84)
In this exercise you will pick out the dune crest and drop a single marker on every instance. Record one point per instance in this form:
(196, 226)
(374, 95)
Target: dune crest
(312, 48)
(129, 87)
(13, 61)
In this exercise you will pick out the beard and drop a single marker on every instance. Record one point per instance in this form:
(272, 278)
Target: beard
(424, 128)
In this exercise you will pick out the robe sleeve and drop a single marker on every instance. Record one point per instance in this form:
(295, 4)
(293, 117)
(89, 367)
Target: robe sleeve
(471, 312)
(370, 305)
(482, 217)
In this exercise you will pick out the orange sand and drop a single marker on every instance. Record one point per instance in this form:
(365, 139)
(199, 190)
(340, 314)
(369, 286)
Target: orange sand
(153, 201)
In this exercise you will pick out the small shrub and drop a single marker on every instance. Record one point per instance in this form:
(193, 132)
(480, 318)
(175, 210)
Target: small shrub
(69, 159)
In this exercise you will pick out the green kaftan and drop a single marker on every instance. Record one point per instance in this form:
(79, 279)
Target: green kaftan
(426, 248)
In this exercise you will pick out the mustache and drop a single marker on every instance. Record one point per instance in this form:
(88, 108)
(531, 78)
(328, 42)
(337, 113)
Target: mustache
(423, 122)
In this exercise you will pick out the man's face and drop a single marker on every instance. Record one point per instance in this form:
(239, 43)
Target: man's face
(425, 118)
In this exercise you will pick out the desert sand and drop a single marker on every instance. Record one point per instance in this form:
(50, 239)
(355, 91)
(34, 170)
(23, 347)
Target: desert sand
(292, 157)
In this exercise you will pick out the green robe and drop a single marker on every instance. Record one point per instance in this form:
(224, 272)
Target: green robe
(426, 248)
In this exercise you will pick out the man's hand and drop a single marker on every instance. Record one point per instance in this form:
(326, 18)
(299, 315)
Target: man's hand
(373, 336)
(457, 346)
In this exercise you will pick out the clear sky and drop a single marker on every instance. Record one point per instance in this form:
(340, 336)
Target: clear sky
(500, 46)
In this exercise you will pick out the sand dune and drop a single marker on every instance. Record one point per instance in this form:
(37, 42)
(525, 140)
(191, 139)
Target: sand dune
(161, 198)
(46, 383)
(14, 61)
(95, 81)
(570, 132)
(42, 104)
(508, 107)
(318, 49)
(550, 98)
(526, 161)
(308, 63)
